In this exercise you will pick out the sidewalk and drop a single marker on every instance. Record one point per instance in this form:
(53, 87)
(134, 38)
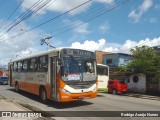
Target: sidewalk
(6, 105)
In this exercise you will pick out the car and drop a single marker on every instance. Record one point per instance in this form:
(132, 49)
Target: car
(4, 80)
(117, 86)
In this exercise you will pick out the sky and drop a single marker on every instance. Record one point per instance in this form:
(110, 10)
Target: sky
(105, 25)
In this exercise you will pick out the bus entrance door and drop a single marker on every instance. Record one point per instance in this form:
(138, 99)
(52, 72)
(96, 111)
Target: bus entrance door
(53, 77)
(10, 74)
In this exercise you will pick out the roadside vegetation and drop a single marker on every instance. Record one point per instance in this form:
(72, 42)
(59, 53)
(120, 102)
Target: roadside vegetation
(144, 60)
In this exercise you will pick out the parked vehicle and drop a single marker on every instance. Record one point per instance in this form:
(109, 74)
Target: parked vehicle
(103, 77)
(4, 80)
(117, 86)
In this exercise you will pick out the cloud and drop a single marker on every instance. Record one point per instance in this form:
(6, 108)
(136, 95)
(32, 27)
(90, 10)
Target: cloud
(153, 20)
(26, 52)
(106, 1)
(129, 44)
(63, 5)
(89, 45)
(114, 47)
(104, 27)
(10, 48)
(149, 42)
(83, 28)
(136, 15)
(58, 6)
(15, 55)
(120, 48)
(78, 26)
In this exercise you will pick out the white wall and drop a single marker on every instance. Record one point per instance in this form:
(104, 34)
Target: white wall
(140, 86)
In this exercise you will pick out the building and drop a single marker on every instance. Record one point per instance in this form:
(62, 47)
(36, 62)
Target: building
(116, 59)
(3, 72)
(99, 56)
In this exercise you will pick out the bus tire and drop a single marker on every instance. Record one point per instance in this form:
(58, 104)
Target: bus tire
(43, 95)
(17, 87)
(114, 91)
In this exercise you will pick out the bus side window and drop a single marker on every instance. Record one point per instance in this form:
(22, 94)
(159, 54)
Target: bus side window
(25, 65)
(33, 65)
(43, 63)
(15, 66)
(19, 66)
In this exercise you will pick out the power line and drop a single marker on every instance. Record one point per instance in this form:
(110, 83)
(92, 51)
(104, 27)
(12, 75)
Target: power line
(94, 17)
(145, 42)
(115, 6)
(12, 13)
(28, 10)
(30, 13)
(35, 7)
(49, 20)
(46, 6)
(58, 16)
(138, 45)
(82, 16)
(94, 11)
(1, 4)
(18, 18)
(90, 14)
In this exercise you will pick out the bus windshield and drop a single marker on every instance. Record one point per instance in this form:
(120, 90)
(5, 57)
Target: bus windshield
(78, 69)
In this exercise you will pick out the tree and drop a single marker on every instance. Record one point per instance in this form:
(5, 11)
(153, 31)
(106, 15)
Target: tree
(144, 60)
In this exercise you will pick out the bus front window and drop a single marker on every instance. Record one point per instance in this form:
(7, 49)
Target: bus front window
(89, 70)
(78, 69)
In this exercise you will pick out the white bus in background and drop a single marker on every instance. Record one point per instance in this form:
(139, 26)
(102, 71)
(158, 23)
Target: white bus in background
(103, 76)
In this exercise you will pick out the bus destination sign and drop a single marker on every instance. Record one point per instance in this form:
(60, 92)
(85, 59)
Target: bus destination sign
(76, 52)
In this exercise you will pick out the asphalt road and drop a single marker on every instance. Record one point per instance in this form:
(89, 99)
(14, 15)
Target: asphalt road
(103, 102)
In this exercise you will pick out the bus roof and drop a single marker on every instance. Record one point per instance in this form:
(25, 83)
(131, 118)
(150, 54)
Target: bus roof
(44, 53)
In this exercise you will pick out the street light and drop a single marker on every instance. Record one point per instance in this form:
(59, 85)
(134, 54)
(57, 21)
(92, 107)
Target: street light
(43, 40)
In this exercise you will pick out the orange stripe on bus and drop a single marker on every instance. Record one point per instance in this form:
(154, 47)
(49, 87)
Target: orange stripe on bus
(32, 87)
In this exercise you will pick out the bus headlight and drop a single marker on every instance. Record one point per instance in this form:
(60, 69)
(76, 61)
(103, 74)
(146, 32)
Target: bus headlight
(95, 89)
(65, 91)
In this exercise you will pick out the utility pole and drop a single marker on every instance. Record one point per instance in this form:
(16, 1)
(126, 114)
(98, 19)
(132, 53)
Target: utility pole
(43, 40)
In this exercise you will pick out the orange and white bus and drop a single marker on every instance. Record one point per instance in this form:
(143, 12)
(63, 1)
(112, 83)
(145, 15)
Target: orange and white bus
(61, 74)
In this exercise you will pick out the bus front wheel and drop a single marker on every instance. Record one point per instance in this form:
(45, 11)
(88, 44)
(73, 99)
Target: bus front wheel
(43, 95)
